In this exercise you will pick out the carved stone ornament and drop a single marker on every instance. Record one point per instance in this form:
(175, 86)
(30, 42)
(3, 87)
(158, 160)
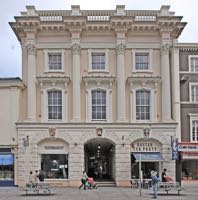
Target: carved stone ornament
(99, 131)
(31, 48)
(120, 48)
(165, 48)
(52, 131)
(76, 48)
(146, 132)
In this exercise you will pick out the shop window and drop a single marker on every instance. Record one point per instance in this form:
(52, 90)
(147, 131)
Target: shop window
(6, 167)
(55, 166)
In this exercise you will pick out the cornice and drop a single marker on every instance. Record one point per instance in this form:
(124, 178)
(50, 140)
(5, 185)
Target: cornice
(119, 20)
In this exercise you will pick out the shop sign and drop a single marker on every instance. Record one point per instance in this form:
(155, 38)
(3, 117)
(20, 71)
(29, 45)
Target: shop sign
(188, 147)
(144, 146)
(54, 147)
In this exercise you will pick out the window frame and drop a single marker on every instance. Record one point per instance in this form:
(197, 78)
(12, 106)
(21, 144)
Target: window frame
(189, 63)
(143, 90)
(47, 52)
(57, 105)
(193, 117)
(190, 91)
(90, 52)
(98, 90)
(150, 60)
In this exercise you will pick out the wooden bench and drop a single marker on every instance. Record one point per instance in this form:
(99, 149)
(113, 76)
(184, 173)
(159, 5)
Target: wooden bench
(38, 188)
(169, 186)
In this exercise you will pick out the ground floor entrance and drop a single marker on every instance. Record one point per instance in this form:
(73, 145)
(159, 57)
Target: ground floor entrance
(100, 159)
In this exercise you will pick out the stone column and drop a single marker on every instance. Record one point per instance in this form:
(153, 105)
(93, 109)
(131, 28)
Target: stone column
(175, 89)
(31, 83)
(165, 71)
(76, 95)
(121, 112)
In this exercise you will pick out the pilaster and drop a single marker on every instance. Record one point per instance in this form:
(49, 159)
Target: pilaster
(76, 83)
(121, 101)
(31, 81)
(165, 71)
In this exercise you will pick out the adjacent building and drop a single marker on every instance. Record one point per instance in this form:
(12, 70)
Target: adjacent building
(99, 92)
(10, 95)
(188, 71)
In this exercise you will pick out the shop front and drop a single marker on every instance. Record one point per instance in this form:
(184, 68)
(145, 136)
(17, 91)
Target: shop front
(53, 159)
(6, 167)
(189, 160)
(146, 153)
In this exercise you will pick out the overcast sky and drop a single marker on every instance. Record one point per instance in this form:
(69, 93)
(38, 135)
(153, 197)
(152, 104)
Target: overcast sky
(10, 51)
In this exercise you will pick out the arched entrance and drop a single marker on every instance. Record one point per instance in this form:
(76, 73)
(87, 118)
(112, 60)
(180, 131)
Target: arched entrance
(100, 159)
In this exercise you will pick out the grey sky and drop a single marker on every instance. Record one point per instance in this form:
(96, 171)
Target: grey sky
(10, 51)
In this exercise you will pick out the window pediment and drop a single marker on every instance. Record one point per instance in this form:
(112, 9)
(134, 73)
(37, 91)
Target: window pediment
(98, 80)
(144, 80)
(48, 82)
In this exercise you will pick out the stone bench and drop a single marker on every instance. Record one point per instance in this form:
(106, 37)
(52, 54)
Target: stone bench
(38, 188)
(169, 186)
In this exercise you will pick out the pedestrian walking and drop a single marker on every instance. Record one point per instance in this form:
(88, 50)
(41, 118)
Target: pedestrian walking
(154, 182)
(84, 180)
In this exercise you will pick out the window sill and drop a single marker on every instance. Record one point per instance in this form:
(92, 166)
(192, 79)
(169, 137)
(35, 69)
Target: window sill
(142, 71)
(54, 71)
(98, 71)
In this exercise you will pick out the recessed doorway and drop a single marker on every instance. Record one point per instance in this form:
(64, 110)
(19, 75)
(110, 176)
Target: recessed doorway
(100, 159)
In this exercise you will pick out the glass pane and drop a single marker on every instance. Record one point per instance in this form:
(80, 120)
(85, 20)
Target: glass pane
(55, 166)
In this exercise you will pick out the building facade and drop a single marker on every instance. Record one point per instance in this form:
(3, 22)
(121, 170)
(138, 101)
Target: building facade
(188, 62)
(101, 93)
(10, 95)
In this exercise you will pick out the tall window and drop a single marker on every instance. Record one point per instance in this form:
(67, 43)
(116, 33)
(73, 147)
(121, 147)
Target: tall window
(194, 64)
(142, 105)
(194, 93)
(55, 105)
(55, 61)
(98, 60)
(194, 130)
(98, 105)
(141, 61)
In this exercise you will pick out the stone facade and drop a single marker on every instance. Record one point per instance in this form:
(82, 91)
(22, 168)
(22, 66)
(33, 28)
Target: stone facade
(75, 37)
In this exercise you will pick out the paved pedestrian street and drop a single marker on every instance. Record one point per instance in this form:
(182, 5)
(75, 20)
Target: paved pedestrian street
(108, 193)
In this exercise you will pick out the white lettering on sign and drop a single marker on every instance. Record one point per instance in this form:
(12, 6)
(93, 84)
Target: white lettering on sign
(145, 147)
(188, 147)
